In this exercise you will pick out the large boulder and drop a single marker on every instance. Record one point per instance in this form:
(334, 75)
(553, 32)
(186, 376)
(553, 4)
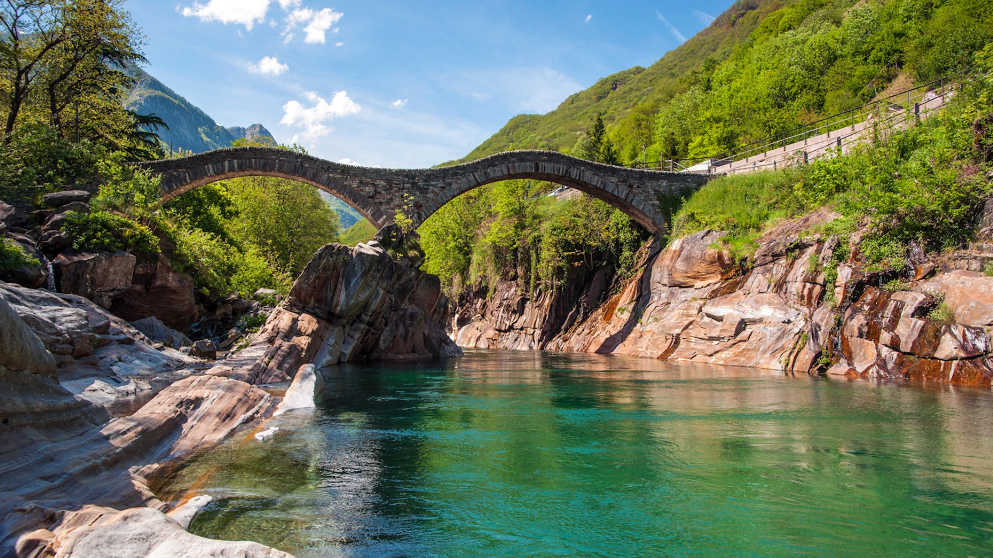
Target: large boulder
(154, 329)
(157, 290)
(348, 304)
(66, 197)
(98, 276)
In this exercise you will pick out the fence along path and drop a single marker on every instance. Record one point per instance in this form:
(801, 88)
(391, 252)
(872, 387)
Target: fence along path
(838, 133)
(828, 136)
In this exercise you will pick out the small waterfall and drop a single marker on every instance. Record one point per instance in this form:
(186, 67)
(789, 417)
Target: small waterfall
(51, 273)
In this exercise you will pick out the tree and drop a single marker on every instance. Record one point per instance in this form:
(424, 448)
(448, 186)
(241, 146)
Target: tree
(31, 31)
(57, 55)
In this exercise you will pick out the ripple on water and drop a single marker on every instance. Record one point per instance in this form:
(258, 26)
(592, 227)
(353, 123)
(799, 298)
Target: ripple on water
(533, 454)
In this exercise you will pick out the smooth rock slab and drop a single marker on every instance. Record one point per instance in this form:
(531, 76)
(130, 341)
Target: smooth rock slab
(143, 533)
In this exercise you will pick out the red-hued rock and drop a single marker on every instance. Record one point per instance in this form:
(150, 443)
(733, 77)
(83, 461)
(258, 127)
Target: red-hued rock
(692, 261)
(968, 294)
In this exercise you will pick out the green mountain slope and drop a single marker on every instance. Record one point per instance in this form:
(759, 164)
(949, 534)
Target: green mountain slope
(762, 68)
(617, 95)
(190, 129)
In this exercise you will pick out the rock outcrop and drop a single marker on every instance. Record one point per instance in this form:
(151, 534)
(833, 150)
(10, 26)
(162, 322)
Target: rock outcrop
(98, 276)
(691, 303)
(348, 304)
(156, 290)
(138, 532)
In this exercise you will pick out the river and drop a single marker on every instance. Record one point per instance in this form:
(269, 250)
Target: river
(541, 455)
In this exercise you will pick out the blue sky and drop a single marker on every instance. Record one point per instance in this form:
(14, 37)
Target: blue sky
(398, 83)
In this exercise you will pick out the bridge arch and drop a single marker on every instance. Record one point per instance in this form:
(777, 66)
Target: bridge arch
(378, 193)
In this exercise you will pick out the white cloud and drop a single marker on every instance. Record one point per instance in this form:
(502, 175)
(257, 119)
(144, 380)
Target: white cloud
(270, 65)
(672, 29)
(315, 24)
(339, 44)
(315, 121)
(588, 18)
(704, 17)
(398, 104)
(347, 161)
(240, 12)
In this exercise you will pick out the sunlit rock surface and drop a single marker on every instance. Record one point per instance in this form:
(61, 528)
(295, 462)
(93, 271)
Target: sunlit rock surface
(348, 304)
(689, 303)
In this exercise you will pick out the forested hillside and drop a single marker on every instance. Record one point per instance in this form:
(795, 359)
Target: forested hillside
(187, 128)
(761, 68)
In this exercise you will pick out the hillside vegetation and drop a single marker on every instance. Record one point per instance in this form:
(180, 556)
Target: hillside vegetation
(187, 128)
(761, 68)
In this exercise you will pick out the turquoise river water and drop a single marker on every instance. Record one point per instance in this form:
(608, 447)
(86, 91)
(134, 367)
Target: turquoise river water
(537, 454)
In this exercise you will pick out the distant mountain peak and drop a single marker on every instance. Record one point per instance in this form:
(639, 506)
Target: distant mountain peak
(190, 129)
(253, 131)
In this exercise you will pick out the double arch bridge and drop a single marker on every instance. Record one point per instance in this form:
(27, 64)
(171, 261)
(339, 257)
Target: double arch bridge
(377, 193)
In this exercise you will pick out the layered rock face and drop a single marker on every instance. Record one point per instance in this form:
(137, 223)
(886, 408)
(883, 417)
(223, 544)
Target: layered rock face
(689, 303)
(116, 281)
(66, 367)
(348, 304)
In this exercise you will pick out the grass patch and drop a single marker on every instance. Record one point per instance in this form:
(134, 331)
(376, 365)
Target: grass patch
(362, 231)
(14, 257)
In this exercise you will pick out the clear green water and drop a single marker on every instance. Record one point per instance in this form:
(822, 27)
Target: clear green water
(530, 454)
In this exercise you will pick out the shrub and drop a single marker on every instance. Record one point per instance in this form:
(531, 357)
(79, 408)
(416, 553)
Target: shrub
(105, 231)
(218, 268)
(13, 257)
(37, 160)
(942, 313)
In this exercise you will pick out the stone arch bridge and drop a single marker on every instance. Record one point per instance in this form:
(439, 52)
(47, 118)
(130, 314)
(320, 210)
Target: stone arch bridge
(377, 193)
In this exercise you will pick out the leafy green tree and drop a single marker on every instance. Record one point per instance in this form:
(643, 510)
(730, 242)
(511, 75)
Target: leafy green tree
(68, 55)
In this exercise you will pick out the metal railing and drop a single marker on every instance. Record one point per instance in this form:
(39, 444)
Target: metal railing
(886, 111)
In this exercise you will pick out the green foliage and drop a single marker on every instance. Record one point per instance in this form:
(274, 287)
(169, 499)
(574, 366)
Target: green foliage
(128, 190)
(217, 268)
(250, 323)
(920, 186)
(403, 221)
(942, 314)
(896, 285)
(988, 269)
(513, 230)
(940, 311)
(105, 231)
(361, 231)
(37, 160)
(13, 257)
(63, 64)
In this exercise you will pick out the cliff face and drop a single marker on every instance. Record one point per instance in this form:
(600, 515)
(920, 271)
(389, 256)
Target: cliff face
(690, 304)
(349, 304)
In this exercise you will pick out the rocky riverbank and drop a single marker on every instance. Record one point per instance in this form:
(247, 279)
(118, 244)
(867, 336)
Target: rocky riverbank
(795, 309)
(92, 409)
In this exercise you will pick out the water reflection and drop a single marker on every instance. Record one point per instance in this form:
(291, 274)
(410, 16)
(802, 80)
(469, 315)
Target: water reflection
(532, 454)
